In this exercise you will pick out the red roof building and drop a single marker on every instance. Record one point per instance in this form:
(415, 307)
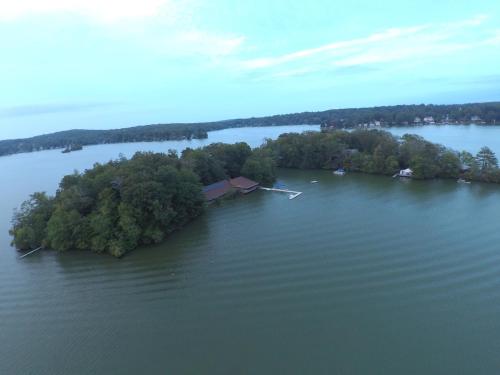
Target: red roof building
(244, 184)
(221, 188)
(216, 190)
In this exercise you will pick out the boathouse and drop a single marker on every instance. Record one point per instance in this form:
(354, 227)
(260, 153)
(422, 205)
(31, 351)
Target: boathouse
(221, 188)
(216, 190)
(243, 184)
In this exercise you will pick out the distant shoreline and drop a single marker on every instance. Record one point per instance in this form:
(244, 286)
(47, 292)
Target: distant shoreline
(349, 118)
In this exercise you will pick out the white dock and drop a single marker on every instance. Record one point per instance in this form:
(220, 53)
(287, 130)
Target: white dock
(293, 194)
(31, 252)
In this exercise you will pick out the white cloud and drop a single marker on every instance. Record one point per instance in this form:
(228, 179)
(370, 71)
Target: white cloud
(332, 48)
(495, 40)
(99, 10)
(196, 41)
(164, 26)
(416, 43)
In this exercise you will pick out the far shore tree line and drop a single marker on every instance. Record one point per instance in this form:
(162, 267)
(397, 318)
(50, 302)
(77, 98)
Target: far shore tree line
(400, 115)
(117, 206)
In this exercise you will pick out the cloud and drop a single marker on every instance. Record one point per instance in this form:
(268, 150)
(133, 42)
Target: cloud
(99, 10)
(416, 43)
(38, 109)
(163, 26)
(331, 49)
(201, 42)
(494, 40)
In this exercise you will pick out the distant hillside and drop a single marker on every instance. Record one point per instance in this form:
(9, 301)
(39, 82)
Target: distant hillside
(401, 115)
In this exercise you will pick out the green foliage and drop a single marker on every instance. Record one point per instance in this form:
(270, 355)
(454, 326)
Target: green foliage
(261, 169)
(208, 168)
(230, 156)
(113, 207)
(310, 150)
(29, 224)
(379, 152)
(486, 159)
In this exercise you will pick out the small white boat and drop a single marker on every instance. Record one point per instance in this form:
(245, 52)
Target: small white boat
(462, 181)
(339, 172)
(314, 182)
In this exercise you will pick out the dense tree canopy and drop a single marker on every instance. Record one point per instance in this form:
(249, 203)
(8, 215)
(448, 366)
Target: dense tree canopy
(112, 207)
(379, 152)
(115, 207)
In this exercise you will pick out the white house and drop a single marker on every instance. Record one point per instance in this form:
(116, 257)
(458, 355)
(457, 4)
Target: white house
(429, 120)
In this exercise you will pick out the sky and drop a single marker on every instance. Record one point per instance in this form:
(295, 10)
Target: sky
(97, 64)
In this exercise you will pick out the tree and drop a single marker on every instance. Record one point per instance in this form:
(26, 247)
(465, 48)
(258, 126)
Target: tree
(208, 168)
(449, 165)
(260, 169)
(29, 223)
(486, 159)
(231, 156)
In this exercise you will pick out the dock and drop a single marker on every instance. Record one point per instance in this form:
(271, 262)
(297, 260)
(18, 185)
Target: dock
(31, 252)
(293, 194)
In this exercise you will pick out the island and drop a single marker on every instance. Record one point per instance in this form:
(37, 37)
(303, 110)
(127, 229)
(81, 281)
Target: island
(71, 148)
(348, 118)
(115, 207)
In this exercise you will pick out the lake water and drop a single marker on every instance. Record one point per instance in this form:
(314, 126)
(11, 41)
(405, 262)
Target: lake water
(359, 275)
(459, 137)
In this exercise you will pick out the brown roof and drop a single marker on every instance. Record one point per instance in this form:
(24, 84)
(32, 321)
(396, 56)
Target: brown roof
(216, 190)
(243, 183)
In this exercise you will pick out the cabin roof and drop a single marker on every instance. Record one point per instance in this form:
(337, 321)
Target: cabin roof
(243, 183)
(216, 190)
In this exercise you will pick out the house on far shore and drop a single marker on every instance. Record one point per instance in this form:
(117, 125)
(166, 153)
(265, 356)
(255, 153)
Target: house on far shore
(429, 120)
(221, 188)
(243, 184)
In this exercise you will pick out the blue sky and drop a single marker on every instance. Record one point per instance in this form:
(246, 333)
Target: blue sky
(114, 63)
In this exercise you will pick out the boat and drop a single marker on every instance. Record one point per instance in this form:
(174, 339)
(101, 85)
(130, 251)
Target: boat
(339, 172)
(314, 182)
(462, 181)
(408, 173)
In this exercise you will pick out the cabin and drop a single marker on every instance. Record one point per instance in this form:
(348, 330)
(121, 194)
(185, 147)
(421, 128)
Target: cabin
(406, 173)
(221, 188)
(216, 190)
(243, 184)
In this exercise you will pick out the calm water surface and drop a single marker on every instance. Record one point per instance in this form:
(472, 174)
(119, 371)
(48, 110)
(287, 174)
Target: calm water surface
(359, 275)
(459, 137)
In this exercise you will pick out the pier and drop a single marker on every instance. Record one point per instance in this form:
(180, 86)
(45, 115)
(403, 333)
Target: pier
(31, 252)
(292, 194)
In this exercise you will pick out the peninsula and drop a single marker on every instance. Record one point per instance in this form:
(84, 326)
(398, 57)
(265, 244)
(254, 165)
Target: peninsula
(115, 207)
